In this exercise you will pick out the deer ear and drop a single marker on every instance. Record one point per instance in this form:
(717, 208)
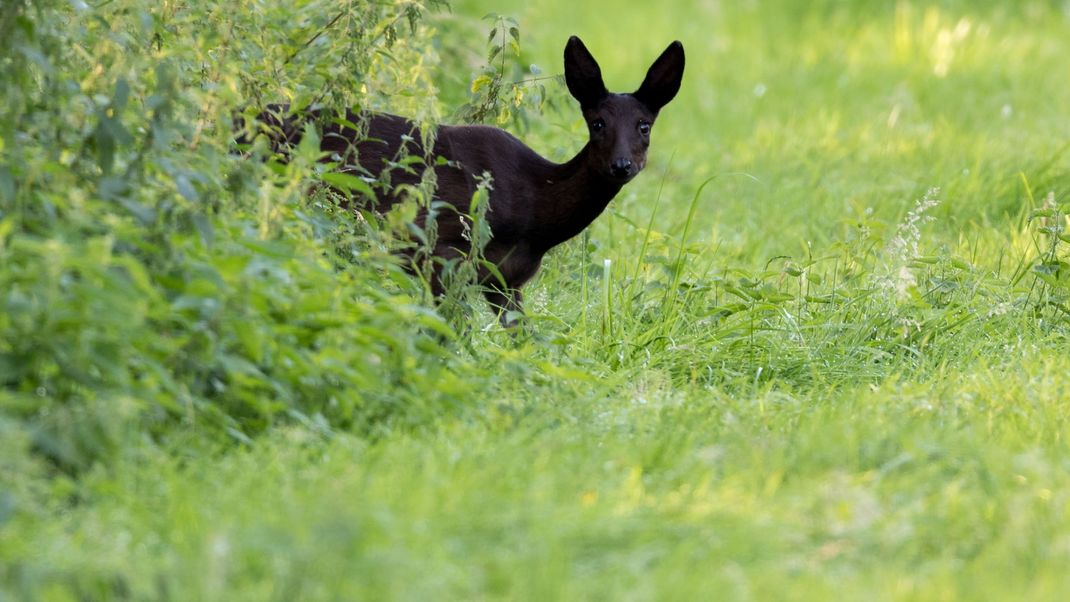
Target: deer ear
(582, 74)
(663, 78)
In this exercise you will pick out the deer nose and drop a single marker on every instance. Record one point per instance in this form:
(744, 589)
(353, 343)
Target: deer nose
(621, 168)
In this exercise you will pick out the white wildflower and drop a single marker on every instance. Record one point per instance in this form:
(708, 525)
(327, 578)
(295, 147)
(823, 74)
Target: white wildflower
(904, 247)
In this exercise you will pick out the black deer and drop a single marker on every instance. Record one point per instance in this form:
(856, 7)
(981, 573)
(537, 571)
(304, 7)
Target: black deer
(534, 204)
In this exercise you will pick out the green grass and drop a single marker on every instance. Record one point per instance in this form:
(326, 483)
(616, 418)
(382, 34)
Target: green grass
(798, 379)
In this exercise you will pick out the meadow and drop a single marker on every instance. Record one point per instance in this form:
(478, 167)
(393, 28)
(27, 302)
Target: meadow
(816, 350)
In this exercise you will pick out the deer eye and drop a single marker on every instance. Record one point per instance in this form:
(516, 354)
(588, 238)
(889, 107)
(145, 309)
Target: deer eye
(598, 125)
(644, 127)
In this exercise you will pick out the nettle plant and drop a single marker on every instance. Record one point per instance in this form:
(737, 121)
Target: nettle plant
(154, 279)
(327, 141)
(506, 91)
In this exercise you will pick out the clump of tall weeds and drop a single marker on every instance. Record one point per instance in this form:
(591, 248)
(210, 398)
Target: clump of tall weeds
(153, 282)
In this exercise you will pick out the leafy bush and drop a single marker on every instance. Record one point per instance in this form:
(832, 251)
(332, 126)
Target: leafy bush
(150, 278)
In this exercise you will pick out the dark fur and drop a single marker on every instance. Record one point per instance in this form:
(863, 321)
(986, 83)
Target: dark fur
(534, 204)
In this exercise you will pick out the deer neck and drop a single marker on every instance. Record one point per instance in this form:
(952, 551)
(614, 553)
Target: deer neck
(574, 195)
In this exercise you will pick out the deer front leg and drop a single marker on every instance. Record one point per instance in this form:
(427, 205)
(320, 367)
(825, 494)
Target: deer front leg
(505, 301)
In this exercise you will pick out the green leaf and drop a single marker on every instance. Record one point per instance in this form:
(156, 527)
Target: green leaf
(7, 185)
(186, 189)
(121, 95)
(961, 264)
(481, 82)
(348, 183)
(309, 147)
(204, 227)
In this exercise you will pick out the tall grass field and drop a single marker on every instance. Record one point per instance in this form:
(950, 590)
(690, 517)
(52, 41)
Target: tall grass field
(817, 350)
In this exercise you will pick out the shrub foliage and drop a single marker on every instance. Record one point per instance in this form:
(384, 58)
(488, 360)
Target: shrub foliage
(152, 278)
